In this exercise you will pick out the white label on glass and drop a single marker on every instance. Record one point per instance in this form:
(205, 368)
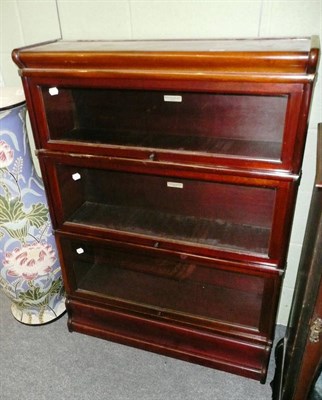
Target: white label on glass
(172, 98)
(53, 91)
(80, 250)
(177, 185)
(76, 176)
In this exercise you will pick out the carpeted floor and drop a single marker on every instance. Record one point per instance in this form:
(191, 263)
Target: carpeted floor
(47, 363)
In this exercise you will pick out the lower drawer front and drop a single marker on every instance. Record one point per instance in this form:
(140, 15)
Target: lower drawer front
(241, 357)
(171, 286)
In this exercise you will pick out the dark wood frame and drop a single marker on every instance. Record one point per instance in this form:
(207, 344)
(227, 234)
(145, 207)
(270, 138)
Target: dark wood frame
(299, 354)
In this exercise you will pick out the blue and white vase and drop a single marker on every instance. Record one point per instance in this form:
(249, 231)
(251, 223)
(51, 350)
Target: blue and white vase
(30, 273)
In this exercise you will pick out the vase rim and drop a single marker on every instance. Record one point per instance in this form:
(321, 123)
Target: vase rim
(11, 97)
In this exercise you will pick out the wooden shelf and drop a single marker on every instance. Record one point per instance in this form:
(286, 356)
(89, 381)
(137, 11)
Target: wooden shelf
(204, 231)
(261, 150)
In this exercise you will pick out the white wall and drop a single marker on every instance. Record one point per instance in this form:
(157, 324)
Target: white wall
(28, 21)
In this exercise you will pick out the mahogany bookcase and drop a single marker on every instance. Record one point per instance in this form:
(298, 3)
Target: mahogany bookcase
(171, 170)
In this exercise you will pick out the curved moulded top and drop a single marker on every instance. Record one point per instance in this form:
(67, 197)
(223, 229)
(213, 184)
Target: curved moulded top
(280, 59)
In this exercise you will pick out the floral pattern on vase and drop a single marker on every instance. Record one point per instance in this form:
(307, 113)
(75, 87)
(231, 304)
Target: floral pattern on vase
(30, 273)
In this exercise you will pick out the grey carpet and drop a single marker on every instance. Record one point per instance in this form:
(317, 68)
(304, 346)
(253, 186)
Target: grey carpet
(48, 362)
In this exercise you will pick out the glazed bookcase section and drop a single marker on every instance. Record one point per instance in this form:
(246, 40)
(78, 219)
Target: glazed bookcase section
(152, 300)
(173, 212)
(240, 128)
(184, 122)
(179, 286)
(242, 104)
